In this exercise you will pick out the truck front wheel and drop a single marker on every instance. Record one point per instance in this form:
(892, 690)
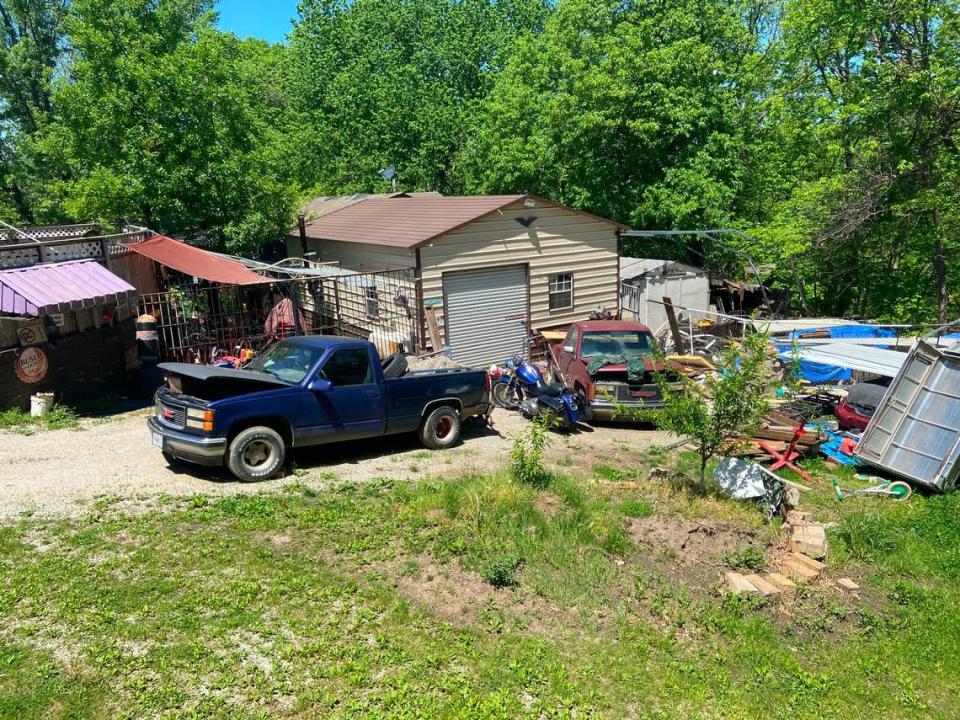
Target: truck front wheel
(256, 454)
(441, 429)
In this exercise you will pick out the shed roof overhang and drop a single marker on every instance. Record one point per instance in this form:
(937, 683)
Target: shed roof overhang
(47, 289)
(196, 262)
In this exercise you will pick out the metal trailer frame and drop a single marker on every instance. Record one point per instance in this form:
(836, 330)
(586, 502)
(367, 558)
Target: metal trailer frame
(915, 432)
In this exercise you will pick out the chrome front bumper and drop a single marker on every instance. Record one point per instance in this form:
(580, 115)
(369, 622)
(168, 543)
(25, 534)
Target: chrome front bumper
(199, 450)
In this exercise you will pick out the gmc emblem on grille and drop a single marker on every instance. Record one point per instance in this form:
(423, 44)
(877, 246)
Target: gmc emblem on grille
(167, 414)
(641, 393)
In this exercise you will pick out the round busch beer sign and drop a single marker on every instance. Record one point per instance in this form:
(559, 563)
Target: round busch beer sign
(31, 365)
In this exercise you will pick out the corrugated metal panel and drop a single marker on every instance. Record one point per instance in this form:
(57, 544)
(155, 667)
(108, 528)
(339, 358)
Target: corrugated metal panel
(486, 314)
(886, 363)
(44, 289)
(403, 222)
(686, 291)
(411, 221)
(365, 258)
(915, 432)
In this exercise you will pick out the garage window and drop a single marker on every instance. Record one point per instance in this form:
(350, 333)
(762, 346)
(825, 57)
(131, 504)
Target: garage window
(561, 291)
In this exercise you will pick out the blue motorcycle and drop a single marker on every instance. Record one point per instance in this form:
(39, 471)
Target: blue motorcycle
(521, 386)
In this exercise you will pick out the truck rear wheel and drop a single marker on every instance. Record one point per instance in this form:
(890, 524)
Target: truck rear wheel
(256, 454)
(441, 429)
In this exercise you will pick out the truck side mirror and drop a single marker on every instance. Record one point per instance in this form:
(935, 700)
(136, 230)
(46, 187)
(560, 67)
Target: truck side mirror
(321, 385)
(568, 349)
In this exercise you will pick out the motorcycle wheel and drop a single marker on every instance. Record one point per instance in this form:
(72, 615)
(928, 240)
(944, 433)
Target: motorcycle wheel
(503, 396)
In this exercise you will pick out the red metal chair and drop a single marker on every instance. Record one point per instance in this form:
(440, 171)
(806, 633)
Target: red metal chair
(786, 458)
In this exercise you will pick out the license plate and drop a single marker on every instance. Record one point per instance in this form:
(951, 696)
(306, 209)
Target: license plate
(157, 439)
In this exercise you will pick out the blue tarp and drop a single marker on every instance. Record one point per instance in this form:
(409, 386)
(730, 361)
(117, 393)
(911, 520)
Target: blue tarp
(828, 374)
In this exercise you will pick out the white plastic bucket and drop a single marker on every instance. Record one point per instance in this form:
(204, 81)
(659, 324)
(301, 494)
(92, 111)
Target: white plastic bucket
(40, 404)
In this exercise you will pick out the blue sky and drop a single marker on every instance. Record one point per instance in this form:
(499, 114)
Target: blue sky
(264, 19)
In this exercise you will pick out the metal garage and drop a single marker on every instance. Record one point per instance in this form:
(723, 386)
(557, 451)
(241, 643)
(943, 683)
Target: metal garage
(482, 263)
(486, 313)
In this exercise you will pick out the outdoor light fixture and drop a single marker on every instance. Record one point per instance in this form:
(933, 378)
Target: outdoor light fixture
(529, 203)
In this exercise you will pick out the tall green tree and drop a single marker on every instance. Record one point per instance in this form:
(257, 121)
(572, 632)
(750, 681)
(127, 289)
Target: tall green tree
(379, 82)
(162, 119)
(866, 117)
(630, 109)
(31, 44)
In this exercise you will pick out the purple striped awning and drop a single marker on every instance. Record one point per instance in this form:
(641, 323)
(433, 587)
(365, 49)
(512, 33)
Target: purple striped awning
(46, 289)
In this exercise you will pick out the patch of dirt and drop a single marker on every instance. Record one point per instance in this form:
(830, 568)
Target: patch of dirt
(691, 541)
(548, 504)
(464, 599)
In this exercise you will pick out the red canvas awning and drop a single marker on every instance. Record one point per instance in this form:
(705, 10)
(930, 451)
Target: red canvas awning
(196, 262)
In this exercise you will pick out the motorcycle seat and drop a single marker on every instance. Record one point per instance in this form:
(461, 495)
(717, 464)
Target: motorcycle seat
(548, 389)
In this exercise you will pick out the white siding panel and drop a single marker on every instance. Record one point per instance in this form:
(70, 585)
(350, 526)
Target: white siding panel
(355, 256)
(558, 241)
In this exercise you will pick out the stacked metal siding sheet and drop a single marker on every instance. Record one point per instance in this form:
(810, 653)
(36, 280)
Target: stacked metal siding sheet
(915, 432)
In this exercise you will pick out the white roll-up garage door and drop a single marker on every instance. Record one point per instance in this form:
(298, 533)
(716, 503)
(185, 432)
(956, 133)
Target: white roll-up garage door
(486, 314)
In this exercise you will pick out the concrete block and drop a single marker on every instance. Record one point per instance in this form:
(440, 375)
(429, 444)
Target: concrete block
(738, 584)
(766, 588)
(848, 584)
(810, 540)
(781, 581)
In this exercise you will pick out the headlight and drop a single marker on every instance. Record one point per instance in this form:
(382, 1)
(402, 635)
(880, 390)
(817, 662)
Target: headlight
(200, 419)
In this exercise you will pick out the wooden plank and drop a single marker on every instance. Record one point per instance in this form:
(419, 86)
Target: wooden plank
(678, 344)
(433, 328)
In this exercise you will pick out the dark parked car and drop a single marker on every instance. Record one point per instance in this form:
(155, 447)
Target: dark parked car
(611, 385)
(856, 410)
(306, 391)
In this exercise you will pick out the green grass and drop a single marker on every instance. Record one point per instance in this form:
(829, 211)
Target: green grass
(20, 421)
(477, 597)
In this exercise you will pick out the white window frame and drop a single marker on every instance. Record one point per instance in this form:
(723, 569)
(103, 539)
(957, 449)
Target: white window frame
(565, 281)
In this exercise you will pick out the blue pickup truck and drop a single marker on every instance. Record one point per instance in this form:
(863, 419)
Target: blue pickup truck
(307, 391)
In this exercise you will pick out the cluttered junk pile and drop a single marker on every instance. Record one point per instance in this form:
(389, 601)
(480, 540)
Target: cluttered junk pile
(900, 431)
(884, 399)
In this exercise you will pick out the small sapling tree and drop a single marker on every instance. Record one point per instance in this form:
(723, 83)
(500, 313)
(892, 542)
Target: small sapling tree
(727, 404)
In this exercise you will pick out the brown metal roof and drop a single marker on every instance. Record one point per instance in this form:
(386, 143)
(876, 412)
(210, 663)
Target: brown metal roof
(404, 222)
(408, 221)
(325, 204)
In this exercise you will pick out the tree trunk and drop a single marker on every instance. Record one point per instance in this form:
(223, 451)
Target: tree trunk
(940, 267)
(703, 472)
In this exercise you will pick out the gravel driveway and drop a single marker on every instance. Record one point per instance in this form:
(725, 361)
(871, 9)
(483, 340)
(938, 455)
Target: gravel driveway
(63, 472)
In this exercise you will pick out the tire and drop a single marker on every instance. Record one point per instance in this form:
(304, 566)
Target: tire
(441, 428)
(502, 396)
(395, 366)
(256, 454)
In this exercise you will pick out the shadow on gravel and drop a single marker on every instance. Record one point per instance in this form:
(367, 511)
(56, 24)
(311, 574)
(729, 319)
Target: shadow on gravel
(349, 452)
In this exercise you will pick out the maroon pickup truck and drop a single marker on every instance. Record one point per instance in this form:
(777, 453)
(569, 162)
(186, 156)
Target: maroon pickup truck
(610, 386)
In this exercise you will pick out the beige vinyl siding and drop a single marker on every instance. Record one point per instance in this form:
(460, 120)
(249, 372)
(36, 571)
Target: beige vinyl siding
(355, 256)
(559, 241)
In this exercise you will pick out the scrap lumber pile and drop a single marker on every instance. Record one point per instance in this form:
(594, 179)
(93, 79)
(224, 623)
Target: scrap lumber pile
(776, 435)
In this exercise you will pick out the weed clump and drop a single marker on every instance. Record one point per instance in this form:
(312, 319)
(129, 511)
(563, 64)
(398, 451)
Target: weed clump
(499, 570)
(526, 457)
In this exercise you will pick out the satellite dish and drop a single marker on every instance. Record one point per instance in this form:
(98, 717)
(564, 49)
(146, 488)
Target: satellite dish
(388, 173)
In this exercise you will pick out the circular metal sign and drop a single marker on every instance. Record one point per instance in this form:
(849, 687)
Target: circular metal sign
(32, 365)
